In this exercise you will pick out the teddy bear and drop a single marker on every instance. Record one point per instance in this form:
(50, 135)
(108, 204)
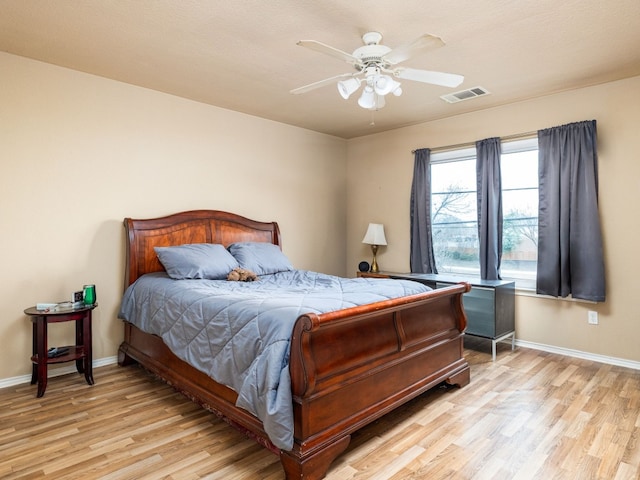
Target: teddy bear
(241, 275)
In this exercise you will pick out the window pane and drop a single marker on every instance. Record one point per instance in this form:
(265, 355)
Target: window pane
(462, 174)
(454, 217)
(520, 212)
(519, 170)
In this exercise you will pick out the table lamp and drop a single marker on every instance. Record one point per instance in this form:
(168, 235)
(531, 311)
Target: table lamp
(375, 237)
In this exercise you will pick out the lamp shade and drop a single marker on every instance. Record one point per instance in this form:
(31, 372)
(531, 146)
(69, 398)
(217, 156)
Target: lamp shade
(375, 235)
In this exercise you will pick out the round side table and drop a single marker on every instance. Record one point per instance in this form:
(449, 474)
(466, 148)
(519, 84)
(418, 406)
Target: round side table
(80, 352)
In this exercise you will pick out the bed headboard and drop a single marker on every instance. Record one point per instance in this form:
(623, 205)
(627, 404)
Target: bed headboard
(195, 226)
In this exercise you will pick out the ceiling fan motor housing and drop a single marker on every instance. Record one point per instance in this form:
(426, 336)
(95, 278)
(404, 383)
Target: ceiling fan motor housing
(371, 54)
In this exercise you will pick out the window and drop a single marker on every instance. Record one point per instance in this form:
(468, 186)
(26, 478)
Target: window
(454, 217)
(454, 211)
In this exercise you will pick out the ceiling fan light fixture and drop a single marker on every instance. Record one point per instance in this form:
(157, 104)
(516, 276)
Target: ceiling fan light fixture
(367, 99)
(384, 84)
(347, 87)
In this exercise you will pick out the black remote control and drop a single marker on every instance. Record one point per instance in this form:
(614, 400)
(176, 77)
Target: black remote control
(57, 351)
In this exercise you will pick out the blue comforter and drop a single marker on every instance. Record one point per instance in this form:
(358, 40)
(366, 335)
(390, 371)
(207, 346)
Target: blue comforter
(239, 333)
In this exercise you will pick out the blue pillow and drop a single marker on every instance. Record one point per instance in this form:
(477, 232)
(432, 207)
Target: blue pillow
(260, 257)
(196, 260)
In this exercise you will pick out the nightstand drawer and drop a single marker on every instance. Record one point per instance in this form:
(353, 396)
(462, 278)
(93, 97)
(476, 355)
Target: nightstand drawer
(479, 305)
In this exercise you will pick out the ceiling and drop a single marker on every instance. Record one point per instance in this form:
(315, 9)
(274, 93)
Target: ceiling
(242, 55)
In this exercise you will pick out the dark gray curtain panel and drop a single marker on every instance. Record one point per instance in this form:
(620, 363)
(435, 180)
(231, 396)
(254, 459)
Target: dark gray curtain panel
(570, 253)
(489, 191)
(421, 258)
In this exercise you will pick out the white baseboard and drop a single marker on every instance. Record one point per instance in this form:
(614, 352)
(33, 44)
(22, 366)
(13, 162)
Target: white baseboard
(620, 362)
(55, 372)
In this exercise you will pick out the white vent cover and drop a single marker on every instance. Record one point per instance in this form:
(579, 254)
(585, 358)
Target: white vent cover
(467, 94)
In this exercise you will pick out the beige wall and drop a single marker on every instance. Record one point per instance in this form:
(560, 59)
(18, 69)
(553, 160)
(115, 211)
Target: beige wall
(379, 176)
(78, 153)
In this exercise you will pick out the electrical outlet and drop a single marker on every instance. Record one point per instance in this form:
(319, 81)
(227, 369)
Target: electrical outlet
(592, 317)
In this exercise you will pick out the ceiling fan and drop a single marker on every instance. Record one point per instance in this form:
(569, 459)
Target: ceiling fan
(377, 68)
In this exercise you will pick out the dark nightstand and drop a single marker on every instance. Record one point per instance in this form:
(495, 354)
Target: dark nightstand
(80, 352)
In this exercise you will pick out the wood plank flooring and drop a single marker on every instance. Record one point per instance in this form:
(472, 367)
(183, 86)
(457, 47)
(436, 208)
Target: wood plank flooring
(529, 415)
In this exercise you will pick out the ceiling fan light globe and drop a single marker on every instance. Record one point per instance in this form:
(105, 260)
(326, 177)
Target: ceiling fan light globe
(398, 91)
(347, 87)
(383, 84)
(367, 99)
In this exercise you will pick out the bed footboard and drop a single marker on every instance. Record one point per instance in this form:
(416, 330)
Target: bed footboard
(352, 366)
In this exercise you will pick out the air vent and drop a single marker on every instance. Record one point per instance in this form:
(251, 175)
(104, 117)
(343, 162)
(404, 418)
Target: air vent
(465, 94)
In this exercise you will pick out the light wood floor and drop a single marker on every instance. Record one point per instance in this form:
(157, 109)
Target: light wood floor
(529, 415)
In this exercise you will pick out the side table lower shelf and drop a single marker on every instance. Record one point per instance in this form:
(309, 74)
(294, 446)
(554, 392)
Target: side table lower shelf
(76, 353)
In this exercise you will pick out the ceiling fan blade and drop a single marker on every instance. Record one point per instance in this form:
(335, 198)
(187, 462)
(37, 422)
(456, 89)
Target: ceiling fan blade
(329, 50)
(419, 45)
(321, 83)
(426, 76)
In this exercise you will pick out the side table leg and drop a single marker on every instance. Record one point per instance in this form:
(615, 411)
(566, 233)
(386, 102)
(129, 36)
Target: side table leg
(80, 341)
(41, 347)
(86, 343)
(34, 352)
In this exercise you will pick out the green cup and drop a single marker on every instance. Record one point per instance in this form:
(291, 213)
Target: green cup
(89, 294)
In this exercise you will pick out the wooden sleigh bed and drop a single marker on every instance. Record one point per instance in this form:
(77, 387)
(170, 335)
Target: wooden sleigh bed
(339, 383)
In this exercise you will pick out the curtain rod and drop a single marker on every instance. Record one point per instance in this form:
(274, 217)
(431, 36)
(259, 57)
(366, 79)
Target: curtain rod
(519, 136)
